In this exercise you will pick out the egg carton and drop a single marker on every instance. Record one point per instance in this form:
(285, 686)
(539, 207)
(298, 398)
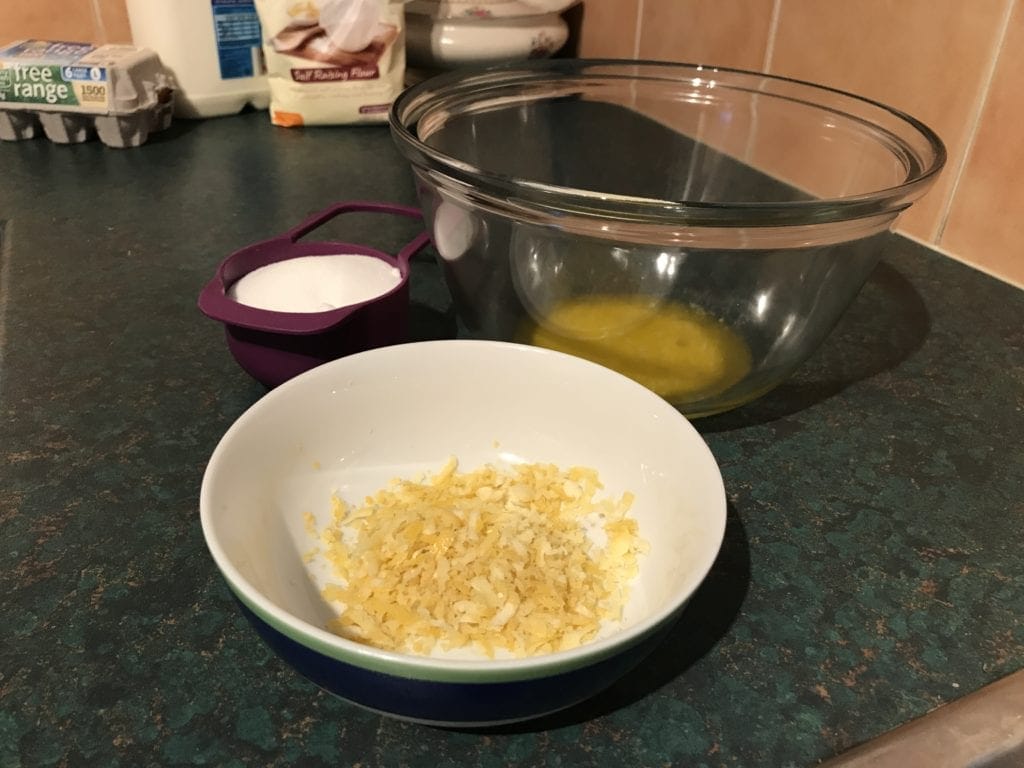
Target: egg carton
(75, 92)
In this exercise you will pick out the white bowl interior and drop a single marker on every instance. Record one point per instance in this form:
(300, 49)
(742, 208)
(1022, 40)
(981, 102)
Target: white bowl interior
(350, 426)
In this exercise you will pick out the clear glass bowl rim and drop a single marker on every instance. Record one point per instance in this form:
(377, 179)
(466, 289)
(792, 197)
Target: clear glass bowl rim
(914, 139)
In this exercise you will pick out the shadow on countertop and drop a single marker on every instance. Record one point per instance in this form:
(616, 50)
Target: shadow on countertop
(708, 617)
(886, 323)
(179, 127)
(429, 323)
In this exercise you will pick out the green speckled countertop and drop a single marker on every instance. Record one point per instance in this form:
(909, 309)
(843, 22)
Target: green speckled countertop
(872, 567)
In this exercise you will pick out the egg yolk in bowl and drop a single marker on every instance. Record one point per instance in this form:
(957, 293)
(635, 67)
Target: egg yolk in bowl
(680, 352)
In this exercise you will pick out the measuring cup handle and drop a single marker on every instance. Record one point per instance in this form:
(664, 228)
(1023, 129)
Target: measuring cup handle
(321, 218)
(417, 244)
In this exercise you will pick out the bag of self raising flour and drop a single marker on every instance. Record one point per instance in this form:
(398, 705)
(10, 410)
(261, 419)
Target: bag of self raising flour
(332, 62)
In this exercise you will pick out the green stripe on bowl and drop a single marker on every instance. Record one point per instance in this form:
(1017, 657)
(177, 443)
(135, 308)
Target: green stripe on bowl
(451, 672)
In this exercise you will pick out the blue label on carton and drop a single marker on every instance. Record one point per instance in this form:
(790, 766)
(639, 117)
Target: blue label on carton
(50, 51)
(236, 28)
(92, 74)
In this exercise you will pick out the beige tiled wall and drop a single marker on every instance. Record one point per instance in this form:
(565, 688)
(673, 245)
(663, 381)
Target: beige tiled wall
(958, 65)
(86, 21)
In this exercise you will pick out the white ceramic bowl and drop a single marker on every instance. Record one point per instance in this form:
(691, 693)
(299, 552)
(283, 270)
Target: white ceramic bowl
(445, 43)
(351, 425)
(486, 9)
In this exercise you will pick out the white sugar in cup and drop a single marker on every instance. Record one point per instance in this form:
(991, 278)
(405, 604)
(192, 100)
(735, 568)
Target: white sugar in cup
(315, 283)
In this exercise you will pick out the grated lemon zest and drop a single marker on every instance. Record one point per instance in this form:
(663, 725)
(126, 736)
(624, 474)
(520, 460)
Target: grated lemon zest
(488, 559)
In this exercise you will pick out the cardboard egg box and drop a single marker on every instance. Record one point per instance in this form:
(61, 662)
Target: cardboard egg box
(74, 92)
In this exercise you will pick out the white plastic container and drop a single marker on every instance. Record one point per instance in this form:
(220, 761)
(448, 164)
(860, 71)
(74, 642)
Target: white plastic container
(212, 47)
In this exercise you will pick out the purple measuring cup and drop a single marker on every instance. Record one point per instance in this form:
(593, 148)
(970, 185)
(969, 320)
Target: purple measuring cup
(275, 346)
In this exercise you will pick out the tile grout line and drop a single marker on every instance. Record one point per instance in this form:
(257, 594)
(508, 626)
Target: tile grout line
(639, 27)
(97, 20)
(773, 27)
(976, 119)
(769, 52)
(961, 259)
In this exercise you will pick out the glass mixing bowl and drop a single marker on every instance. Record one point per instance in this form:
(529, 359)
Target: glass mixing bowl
(698, 229)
